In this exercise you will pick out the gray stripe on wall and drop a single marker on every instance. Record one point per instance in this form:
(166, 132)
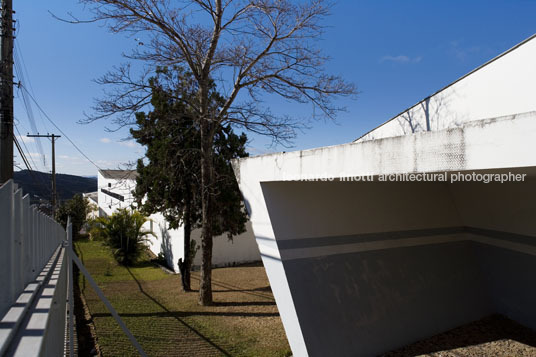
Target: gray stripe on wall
(365, 237)
(395, 235)
(512, 237)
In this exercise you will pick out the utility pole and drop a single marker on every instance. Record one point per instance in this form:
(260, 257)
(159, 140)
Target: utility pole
(53, 137)
(6, 91)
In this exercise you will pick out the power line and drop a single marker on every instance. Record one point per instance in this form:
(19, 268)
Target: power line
(57, 127)
(54, 137)
(18, 61)
(41, 182)
(26, 77)
(39, 154)
(26, 147)
(22, 155)
(28, 166)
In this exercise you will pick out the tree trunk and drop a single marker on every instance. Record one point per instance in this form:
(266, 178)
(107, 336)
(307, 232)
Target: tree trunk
(185, 270)
(205, 288)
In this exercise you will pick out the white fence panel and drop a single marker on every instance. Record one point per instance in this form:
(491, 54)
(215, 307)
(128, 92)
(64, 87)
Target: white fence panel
(31, 261)
(36, 259)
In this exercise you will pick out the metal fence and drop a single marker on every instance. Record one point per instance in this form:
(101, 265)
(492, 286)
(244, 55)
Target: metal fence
(36, 281)
(33, 278)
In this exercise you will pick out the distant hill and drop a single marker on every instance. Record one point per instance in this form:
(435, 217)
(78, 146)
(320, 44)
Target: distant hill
(39, 184)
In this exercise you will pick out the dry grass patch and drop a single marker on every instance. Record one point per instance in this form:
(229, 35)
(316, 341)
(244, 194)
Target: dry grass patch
(168, 322)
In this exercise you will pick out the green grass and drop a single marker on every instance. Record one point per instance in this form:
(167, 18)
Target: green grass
(105, 269)
(169, 322)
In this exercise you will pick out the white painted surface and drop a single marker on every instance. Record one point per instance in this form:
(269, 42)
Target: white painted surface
(93, 205)
(226, 252)
(479, 145)
(498, 143)
(29, 238)
(28, 249)
(484, 121)
(504, 86)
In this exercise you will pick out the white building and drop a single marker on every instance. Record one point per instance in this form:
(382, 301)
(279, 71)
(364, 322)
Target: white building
(92, 198)
(362, 267)
(115, 191)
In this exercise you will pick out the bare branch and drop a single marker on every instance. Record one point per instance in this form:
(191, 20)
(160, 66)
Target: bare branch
(252, 48)
(73, 20)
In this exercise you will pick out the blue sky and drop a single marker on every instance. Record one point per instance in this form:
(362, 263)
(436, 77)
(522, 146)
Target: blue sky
(396, 52)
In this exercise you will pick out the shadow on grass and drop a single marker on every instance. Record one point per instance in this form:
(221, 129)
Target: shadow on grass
(86, 342)
(179, 314)
(245, 303)
(143, 264)
(175, 314)
(229, 288)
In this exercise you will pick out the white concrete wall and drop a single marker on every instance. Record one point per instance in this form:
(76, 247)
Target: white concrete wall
(484, 121)
(282, 211)
(93, 206)
(242, 249)
(504, 86)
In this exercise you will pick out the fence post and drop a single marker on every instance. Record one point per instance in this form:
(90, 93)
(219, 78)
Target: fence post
(42, 239)
(35, 246)
(17, 266)
(26, 240)
(71, 285)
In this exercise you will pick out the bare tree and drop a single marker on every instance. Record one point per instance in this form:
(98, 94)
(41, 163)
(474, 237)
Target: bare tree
(242, 49)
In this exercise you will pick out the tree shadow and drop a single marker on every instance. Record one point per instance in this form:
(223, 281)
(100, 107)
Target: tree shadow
(175, 314)
(142, 264)
(257, 292)
(166, 247)
(246, 303)
(178, 314)
(87, 342)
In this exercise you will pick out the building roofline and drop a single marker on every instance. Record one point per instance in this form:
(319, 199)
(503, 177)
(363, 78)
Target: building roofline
(451, 84)
(119, 174)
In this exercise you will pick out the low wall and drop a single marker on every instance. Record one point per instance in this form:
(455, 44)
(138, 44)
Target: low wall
(225, 252)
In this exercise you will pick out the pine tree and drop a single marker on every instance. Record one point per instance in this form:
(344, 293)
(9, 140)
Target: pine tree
(169, 176)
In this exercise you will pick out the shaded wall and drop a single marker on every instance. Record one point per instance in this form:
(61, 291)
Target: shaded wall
(373, 266)
(504, 214)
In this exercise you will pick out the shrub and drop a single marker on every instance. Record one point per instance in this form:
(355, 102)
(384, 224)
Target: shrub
(77, 208)
(123, 233)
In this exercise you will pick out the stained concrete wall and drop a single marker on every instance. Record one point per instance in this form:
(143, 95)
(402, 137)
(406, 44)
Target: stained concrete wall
(361, 268)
